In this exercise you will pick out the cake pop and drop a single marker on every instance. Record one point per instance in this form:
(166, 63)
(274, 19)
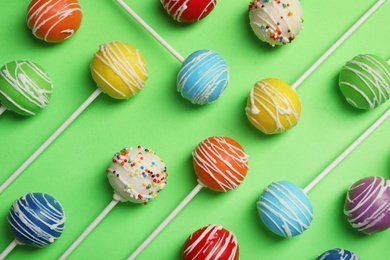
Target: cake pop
(211, 242)
(203, 76)
(274, 112)
(188, 11)
(218, 161)
(276, 22)
(285, 209)
(273, 106)
(337, 254)
(208, 87)
(54, 20)
(365, 81)
(119, 70)
(36, 219)
(136, 175)
(25, 87)
(367, 204)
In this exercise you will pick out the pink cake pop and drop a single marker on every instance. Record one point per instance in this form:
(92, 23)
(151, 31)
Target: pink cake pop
(188, 11)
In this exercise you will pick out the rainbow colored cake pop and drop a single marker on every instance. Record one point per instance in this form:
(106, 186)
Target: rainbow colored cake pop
(203, 77)
(273, 106)
(188, 11)
(54, 20)
(25, 87)
(337, 254)
(276, 22)
(365, 81)
(211, 242)
(367, 204)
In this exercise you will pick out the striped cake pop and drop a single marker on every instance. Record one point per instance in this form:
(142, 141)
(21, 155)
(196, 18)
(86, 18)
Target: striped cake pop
(54, 20)
(365, 81)
(337, 254)
(211, 242)
(35, 219)
(25, 87)
(188, 11)
(367, 204)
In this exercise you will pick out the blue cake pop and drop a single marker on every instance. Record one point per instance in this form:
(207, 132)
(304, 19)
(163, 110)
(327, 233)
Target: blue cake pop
(337, 254)
(203, 77)
(36, 219)
(285, 209)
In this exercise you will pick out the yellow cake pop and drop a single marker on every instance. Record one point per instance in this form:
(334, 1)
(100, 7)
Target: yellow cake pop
(119, 70)
(273, 106)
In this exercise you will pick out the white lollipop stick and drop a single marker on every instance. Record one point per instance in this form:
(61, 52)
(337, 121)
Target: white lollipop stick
(8, 249)
(337, 43)
(88, 230)
(342, 156)
(173, 214)
(40, 149)
(151, 31)
(2, 109)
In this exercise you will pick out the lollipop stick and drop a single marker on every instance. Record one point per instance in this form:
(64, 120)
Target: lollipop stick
(337, 43)
(2, 109)
(182, 204)
(151, 31)
(88, 230)
(64, 125)
(342, 156)
(8, 249)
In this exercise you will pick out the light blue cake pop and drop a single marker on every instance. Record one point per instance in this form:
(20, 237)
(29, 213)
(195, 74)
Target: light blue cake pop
(285, 209)
(203, 77)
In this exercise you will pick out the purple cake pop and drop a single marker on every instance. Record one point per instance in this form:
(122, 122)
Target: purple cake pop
(367, 204)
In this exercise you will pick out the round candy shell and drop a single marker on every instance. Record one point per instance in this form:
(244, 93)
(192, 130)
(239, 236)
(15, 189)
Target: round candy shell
(211, 242)
(188, 11)
(137, 175)
(220, 163)
(276, 22)
(25, 87)
(36, 219)
(367, 204)
(273, 106)
(285, 209)
(337, 254)
(365, 81)
(54, 20)
(203, 77)
(119, 70)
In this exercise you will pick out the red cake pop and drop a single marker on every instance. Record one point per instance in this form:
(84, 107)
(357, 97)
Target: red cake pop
(54, 20)
(188, 11)
(211, 242)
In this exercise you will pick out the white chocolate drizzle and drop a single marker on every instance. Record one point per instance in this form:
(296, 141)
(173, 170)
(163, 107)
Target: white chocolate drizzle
(286, 209)
(170, 5)
(216, 249)
(282, 105)
(376, 78)
(115, 59)
(21, 81)
(365, 204)
(214, 152)
(32, 220)
(56, 18)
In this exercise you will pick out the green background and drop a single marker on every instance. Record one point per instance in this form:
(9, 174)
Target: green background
(72, 169)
